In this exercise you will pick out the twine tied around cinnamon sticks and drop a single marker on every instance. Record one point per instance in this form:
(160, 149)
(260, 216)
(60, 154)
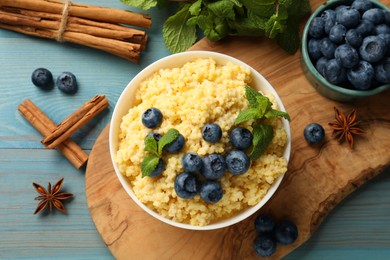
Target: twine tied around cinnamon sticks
(57, 136)
(107, 29)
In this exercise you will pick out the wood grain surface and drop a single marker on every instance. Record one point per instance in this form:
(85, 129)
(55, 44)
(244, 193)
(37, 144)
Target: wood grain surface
(318, 177)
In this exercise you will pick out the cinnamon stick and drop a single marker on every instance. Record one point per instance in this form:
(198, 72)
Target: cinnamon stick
(96, 13)
(76, 120)
(45, 126)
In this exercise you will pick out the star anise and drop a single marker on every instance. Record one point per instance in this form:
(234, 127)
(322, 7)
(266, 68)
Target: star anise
(51, 197)
(346, 126)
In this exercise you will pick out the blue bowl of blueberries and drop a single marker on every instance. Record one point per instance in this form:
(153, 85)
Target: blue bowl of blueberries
(346, 49)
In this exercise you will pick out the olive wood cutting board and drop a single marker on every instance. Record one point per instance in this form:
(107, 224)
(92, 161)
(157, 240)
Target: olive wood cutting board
(318, 177)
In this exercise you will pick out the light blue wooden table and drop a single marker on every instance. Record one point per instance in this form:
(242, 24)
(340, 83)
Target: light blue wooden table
(359, 228)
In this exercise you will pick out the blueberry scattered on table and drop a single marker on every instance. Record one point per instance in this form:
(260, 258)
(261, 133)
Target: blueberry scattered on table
(237, 162)
(67, 83)
(214, 166)
(159, 169)
(186, 185)
(155, 135)
(192, 162)
(152, 117)
(211, 132)
(176, 145)
(241, 138)
(286, 232)
(314, 133)
(264, 245)
(211, 191)
(42, 78)
(263, 223)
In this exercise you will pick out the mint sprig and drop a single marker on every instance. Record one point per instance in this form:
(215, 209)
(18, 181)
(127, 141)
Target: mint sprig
(260, 109)
(218, 19)
(150, 162)
(262, 137)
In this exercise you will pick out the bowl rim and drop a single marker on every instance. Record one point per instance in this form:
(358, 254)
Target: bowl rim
(313, 70)
(132, 86)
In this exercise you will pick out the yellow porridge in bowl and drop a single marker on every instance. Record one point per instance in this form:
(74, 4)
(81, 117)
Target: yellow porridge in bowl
(189, 97)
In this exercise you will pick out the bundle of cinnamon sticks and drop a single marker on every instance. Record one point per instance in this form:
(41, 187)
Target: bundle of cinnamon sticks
(106, 29)
(57, 136)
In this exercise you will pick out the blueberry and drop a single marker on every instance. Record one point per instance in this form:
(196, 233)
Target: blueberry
(192, 162)
(264, 245)
(340, 8)
(386, 15)
(152, 117)
(382, 29)
(373, 49)
(361, 75)
(263, 223)
(334, 72)
(67, 83)
(211, 133)
(327, 48)
(348, 17)
(386, 40)
(213, 166)
(42, 78)
(313, 49)
(329, 17)
(237, 162)
(337, 33)
(155, 135)
(346, 55)
(382, 71)
(286, 232)
(186, 185)
(374, 15)
(353, 38)
(361, 5)
(321, 65)
(365, 28)
(316, 27)
(176, 145)
(314, 133)
(211, 191)
(241, 138)
(159, 169)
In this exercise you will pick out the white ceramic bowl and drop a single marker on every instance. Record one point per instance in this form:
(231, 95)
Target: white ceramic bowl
(126, 100)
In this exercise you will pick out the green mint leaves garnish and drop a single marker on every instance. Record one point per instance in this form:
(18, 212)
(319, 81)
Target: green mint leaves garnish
(260, 109)
(168, 138)
(262, 137)
(217, 19)
(150, 162)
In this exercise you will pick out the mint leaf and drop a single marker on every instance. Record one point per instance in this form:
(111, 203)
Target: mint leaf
(222, 9)
(276, 113)
(262, 137)
(236, 2)
(289, 40)
(144, 4)
(178, 35)
(149, 164)
(247, 114)
(168, 138)
(264, 104)
(195, 7)
(251, 95)
(263, 8)
(150, 145)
